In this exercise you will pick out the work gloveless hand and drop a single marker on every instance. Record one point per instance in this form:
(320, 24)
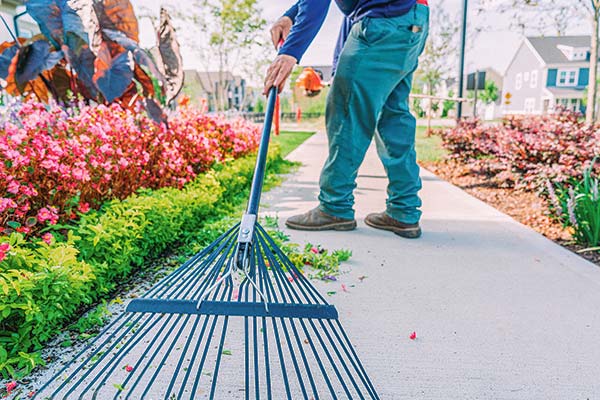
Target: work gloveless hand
(280, 30)
(279, 71)
(283, 65)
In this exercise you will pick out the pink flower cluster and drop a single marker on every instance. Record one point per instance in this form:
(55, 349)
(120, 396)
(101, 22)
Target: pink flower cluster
(57, 161)
(4, 249)
(527, 150)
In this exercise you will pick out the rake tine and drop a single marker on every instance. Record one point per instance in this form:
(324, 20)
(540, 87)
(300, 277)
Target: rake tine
(182, 358)
(86, 349)
(155, 291)
(194, 354)
(255, 354)
(318, 359)
(305, 359)
(353, 351)
(278, 276)
(91, 357)
(339, 356)
(246, 350)
(351, 355)
(208, 266)
(256, 288)
(298, 276)
(116, 359)
(204, 355)
(219, 355)
(283, 284)
(267, 283)
(167, 353)
(221, 258)
(266, 352)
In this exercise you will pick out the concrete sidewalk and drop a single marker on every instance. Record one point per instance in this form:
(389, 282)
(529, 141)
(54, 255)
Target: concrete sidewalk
(500, 312)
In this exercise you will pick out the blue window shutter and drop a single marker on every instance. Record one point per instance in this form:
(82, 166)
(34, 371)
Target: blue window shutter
(584, 77)
(551, 82)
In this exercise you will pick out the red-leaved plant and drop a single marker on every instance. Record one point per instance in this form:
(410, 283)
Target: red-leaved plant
(90, 48)
(527, 150)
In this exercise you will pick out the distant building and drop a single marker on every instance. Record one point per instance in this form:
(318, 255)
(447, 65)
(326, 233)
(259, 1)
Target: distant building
(546, 72)
(23, 26)
(215, 87)
(485, 111)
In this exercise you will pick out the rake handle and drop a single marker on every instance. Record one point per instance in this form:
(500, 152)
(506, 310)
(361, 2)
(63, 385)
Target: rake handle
(261, 158)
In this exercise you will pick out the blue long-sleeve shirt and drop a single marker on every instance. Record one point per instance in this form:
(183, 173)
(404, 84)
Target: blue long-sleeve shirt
(309, 15)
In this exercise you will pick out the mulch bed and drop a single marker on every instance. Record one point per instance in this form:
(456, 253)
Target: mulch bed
(526, 207)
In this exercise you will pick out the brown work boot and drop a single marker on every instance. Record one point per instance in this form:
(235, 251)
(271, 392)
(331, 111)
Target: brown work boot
(317, 220)
(384, 221)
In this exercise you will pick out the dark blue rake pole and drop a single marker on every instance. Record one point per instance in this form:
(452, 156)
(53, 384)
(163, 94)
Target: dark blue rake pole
(289, 344)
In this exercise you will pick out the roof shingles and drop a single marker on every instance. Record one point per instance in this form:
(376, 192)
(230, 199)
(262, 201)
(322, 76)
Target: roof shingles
(547, 47)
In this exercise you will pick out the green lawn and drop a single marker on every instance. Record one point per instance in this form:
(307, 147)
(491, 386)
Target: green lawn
(429, 149)
(289, 140)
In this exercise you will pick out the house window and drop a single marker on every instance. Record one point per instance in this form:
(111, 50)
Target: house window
(570, 104)
(574, 104)
(519, 81)
(529, 105)
(526, 76)
(567, 77)
(533, 81)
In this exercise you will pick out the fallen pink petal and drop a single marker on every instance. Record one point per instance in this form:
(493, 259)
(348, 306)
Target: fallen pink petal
(413, 336)
(10, 386)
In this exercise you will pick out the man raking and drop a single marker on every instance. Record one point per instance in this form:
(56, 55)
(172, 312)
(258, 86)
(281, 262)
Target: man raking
(377, 53)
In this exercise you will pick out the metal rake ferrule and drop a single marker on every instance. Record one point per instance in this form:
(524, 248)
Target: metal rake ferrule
(240, 261)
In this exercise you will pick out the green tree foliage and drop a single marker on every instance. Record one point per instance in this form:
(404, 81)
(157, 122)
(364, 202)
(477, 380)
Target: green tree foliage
(447, 105)
(490, 94)
(228, 36)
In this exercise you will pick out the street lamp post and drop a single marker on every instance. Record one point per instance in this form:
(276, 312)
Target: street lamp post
(461, 72)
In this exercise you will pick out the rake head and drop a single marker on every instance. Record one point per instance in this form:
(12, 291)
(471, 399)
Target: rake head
(237, 321)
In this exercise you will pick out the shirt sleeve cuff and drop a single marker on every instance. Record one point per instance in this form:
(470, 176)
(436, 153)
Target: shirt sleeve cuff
(297, 54)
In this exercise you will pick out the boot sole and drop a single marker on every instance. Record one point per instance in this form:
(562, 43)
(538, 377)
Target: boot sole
(336, 226)
(407, 233)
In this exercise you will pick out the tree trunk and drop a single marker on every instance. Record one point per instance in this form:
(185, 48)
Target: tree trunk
(590, 114)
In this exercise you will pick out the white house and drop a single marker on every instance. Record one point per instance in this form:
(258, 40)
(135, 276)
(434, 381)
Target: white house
(546, 72)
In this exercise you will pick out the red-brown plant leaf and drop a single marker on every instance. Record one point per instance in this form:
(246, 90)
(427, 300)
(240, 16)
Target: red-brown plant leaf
(117, 15)
(170, 54)
(144, 80)
(113, 74)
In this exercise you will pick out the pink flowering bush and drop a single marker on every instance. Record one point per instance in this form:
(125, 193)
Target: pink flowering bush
(527, 150)
(60, 162)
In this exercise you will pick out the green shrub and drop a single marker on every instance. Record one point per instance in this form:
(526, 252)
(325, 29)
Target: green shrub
(41, 286)
(577, 205)
(44, 285)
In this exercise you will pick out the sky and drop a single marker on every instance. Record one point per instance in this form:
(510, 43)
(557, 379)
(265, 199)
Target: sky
(493, 48)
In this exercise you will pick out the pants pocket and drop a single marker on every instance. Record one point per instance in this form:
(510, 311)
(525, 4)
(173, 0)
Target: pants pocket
(375, 30)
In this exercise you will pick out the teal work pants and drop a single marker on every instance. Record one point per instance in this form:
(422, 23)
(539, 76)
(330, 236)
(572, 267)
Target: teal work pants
(369, 97)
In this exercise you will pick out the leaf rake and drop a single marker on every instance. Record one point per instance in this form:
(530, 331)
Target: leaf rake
(237, 321)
